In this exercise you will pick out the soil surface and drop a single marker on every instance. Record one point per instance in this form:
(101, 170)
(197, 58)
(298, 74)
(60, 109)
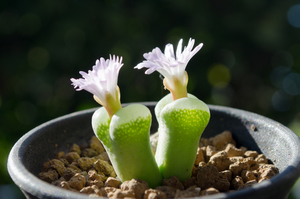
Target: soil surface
(219, 167)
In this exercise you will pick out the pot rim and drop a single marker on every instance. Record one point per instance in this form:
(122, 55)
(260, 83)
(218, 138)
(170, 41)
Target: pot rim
(28, 182)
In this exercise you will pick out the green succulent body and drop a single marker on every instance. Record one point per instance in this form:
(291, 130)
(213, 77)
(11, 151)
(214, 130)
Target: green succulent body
(181, 124)
(126, 139)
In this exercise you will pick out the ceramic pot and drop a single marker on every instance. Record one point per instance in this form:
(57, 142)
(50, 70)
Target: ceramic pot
(280, 145)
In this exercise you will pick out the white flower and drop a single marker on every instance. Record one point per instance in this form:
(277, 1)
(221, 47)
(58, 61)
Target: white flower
(102, 80)
(167, 64)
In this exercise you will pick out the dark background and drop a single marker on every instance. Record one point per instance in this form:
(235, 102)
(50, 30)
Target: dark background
(250, 58)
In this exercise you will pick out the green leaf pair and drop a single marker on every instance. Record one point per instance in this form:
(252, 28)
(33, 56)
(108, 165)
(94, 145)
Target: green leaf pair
(126, 138)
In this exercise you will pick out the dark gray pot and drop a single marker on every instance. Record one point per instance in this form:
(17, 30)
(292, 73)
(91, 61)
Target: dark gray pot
(277, 142)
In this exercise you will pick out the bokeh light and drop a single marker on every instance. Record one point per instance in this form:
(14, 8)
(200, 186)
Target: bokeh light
(293, 16)
(219, 75)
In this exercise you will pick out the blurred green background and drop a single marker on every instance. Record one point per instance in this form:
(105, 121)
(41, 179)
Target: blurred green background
(250, 59)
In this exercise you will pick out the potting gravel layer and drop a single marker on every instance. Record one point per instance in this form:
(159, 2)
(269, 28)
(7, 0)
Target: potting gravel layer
(219, 167)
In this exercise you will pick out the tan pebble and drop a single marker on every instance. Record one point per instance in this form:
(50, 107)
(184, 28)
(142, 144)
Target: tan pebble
(72, 156)
(266, 171)
(121, 194)
(154, 194)
(204, 142)
(222, 184)
(250, 161)
(60, 154)
(220, 141)
(199, 156)
(63, 160)
(93, 175)
(49, 176)
(96, 183)
(261, 159)
(86, 163)
(190, 192)
(107, 190)
(58, 165)
(169, 191)
(89, 152)
(173, 182)
(69, 173)
(237, 182)
(248, 184)
(252, 154)
(189, 182)
(209, 191)
(105, 156)
(112, 182)
(104, 167)
(207, 176)
(96, 145)
(137, 186)
(75, 148)
(232, 151)
(65, 185)
(236, 159)
(220, 160)
(248, 175)
(46, 166)
(237, 168)
(210, 151)
(244, 149)
(77, 182)
(227, 174)
(87, 190)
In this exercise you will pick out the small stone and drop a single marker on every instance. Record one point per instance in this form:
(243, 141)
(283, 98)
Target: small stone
(121, 194)
(72, 156)
(58, 165)
(252, 154)
(232, 151)
(227, 174)
(77, 181)
(248, 184)
(173, 182)
(137, 186)
(220, 160)
(261, 159)
(207, 176)
(199, 156)
(96, 145)
(154, 194)
(46, 166)
(237, 182)
(222, 184)
(190, 192)
(75, 148)
(189, 182)
(237, 168)
(104, 167)
(220, 141)
(112, 182)
(248, 175)
(204, 142)
(169, 191)
(60, 154)
(49, 176)
(89, 152)
(210, 151)
(209, 191)
(86, 163)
